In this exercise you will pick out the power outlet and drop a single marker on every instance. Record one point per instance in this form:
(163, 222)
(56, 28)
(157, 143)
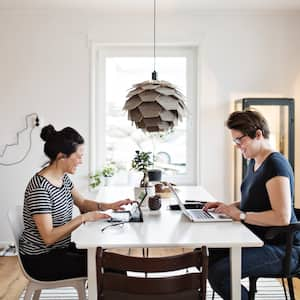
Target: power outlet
(37, 121)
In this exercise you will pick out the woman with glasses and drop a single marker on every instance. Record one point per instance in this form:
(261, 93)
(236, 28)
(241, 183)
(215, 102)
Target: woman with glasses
(45, 245)
(267, 193)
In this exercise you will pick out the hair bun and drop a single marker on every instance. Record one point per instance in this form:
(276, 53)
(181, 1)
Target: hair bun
(47, 132)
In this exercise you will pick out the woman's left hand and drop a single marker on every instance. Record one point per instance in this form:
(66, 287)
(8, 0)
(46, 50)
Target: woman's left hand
(118, 204)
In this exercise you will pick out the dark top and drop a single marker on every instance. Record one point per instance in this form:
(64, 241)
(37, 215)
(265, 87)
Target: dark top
(42, 197)
(254, 192)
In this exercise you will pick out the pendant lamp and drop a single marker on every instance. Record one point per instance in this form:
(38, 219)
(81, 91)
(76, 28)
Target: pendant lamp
(155, 105)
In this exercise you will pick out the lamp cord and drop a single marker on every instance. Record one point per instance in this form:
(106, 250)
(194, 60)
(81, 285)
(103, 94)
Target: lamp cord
(154, 41)
(154, 34)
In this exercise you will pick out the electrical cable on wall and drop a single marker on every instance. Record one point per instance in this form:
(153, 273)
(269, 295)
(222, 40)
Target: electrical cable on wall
(35, 124)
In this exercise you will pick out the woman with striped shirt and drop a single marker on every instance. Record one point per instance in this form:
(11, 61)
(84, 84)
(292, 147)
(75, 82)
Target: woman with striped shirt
(45, 245)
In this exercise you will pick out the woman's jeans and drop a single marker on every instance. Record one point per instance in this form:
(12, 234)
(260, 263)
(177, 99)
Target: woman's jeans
(266, 260)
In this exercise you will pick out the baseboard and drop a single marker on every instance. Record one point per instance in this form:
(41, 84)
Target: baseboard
(7, 249)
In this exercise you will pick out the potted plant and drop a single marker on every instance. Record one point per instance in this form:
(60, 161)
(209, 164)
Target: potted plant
(108, 171)
(141, 162)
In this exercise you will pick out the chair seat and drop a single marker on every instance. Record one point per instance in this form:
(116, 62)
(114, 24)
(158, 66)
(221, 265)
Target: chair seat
(289, 232)
(34, 287)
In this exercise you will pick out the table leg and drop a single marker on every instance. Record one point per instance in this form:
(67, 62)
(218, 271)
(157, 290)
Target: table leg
(235, 265)
(92, 276)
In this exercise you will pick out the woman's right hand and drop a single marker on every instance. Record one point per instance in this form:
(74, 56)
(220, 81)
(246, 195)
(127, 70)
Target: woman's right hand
(94, 216)
(210, 205)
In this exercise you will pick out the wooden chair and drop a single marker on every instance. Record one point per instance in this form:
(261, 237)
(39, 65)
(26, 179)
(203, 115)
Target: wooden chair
(289, 231)
(114, 283)
(34, 287)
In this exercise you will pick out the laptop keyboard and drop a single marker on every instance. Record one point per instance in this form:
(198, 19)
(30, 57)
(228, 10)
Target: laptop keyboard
(201, 214)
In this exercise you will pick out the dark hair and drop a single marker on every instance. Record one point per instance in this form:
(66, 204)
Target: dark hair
(65, 141)
(248, 122)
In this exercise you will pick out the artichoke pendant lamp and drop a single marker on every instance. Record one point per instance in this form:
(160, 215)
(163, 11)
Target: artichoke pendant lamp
(155, 105)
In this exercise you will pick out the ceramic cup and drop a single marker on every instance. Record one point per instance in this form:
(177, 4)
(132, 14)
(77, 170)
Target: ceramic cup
(154, 202)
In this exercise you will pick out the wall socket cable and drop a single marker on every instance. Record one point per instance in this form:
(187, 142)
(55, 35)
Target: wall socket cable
(36, 123)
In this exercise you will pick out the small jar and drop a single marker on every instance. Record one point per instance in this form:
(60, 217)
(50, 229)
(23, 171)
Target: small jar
(159, 188)
(154, 202)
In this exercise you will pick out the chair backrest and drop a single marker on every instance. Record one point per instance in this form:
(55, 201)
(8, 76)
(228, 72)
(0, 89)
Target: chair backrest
(113, 283)
(297, 213)
(15, 220)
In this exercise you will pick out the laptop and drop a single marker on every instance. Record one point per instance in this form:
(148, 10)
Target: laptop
(199, 215)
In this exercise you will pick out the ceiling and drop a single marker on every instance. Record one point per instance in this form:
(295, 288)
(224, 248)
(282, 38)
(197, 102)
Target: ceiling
(146, 6)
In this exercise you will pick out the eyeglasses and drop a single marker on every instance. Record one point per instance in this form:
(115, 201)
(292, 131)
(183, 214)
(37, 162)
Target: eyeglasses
(238, 140)
(121, 224)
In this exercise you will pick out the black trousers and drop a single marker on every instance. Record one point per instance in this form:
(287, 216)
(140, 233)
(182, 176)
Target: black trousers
(58, 264)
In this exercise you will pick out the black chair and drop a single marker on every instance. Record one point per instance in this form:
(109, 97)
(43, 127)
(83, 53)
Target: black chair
(289, 231)
(114, 283)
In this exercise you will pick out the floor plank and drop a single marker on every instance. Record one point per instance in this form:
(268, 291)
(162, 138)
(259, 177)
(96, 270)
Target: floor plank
(296, 283)
(12, 280)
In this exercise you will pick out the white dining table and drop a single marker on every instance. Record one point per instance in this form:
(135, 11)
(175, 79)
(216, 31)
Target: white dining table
(164, 228)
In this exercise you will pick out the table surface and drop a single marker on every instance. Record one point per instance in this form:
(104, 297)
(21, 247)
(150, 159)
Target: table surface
(164, 228)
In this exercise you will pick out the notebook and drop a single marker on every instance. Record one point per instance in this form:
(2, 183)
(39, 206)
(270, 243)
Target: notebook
(199, 215)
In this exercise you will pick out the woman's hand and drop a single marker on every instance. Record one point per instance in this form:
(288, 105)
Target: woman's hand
(118, 204)
(93, 216)
(229, 210)
(221, 208)
(210, 205)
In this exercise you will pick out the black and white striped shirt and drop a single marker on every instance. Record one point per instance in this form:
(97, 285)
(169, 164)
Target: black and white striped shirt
(42, 197)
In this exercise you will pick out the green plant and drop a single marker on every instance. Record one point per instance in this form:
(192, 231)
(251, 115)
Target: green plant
(109, 170)
(141, 162)
(95, 179)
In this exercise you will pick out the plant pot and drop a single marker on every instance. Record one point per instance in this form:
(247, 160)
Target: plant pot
(107, 180)
(154, 175)
(139, 193)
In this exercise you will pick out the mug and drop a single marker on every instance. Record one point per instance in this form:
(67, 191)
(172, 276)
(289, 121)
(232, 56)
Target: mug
(154, 202)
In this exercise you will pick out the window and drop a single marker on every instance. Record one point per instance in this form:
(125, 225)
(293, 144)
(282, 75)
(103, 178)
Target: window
(113, 138)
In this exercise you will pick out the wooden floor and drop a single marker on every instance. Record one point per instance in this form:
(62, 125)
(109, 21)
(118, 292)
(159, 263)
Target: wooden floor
(12, 281)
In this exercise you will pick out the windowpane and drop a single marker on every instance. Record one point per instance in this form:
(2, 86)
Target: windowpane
(113, 138)
(122, 138)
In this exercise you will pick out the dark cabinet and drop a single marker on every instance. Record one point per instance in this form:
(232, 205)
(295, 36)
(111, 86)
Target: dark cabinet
(279, 112)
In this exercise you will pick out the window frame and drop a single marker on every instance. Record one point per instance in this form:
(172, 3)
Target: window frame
(99, 52)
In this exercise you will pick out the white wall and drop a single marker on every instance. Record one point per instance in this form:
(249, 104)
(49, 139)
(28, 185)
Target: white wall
(44, 68)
